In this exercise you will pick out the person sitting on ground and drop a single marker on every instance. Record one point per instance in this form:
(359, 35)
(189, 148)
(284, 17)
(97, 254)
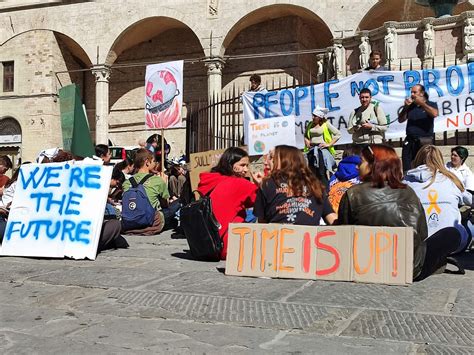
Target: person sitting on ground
(291, 193)
(320, 137)
(347, 175)
(230, 192)
(126, 167)
(102, 152)
(384, 200)
(5, 165)
(157, 192)
(176, 180)
(441, 193)
(458, 167)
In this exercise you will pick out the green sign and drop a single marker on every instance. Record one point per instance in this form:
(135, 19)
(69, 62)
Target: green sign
(75, 129)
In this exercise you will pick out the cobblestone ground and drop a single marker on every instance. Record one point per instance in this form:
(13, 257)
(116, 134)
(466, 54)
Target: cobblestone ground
(151, 298)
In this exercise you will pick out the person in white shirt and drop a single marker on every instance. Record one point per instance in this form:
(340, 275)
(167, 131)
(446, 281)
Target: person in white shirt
(458, 167)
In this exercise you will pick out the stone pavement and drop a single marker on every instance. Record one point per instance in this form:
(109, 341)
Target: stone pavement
(151, 298)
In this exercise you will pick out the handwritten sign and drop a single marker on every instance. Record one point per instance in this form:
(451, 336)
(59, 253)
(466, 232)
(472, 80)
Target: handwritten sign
(452, 88)
(57, 211)
(266, 134)
(338, 253)
(203, 162)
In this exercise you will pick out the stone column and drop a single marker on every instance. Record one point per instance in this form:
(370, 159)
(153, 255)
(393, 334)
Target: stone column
(214, 76)
(102, 75)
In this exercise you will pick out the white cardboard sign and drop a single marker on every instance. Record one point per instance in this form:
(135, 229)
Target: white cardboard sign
(57, 210)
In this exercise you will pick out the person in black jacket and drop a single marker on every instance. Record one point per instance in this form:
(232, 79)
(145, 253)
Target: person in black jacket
(383, 200)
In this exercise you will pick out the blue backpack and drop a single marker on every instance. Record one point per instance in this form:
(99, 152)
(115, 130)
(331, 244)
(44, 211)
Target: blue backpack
(137, 211)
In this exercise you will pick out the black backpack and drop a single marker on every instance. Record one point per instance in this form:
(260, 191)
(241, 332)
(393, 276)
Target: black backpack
(201, 229)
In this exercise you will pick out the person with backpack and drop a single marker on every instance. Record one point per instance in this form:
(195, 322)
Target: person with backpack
(367, 123)
(230, 192)
(143, 198)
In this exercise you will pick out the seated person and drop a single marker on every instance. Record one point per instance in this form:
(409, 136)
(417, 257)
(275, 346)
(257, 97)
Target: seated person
(347, 175)
(382, 199)
(230, 192)
(291, 193)
(440, 192)
(155, 188)
(5, 165)
(458, 167)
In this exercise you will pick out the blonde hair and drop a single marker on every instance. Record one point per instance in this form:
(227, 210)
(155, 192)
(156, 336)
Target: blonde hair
(431, 156)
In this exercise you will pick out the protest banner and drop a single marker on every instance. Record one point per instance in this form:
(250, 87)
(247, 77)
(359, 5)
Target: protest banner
(202, 162)
(266, 134)
(337, 253)
(57, 210)
(74, 126)
(164, 94)
(451, 88)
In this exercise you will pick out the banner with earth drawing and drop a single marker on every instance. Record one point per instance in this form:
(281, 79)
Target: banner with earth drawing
(164, 94)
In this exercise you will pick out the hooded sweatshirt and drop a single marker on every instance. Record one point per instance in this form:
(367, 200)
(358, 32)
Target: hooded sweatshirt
(347, 175)
(441, 200)
(230, 197)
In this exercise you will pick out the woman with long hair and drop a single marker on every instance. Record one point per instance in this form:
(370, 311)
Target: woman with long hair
(230, 192)
(441, 193)
(291, 193)
(382, 199)
(458, 166)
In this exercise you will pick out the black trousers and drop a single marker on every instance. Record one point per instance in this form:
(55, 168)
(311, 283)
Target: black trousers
(319, 171)
(411, 146)
(438, 247)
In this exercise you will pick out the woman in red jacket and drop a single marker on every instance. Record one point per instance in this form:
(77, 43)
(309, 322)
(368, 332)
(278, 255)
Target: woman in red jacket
(231, 193)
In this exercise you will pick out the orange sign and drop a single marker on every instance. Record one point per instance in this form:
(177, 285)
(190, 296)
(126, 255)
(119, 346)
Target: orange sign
(338, 253)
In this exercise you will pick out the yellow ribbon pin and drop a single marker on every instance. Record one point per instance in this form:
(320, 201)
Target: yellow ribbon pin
(433, 197)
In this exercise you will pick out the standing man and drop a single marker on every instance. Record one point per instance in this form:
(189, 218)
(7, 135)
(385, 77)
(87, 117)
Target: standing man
(419, 114)
(368, 122)
(375, 61)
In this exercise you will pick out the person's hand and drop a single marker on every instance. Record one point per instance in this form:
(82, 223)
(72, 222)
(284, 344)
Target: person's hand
(257, 177)
(419, 100)
(367, 125)
(307, 142)
(323, 145)
(408, 101)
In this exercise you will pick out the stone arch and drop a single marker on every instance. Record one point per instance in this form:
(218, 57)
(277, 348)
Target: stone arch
(10, 138)
(144, 30)
(400, 11)
(275, 28)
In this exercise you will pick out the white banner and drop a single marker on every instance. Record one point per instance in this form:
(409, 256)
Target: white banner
(451, 88)
(164, 94)
(265, 135)
(57, 211)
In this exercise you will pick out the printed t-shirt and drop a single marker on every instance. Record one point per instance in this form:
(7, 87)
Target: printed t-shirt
(275, 204)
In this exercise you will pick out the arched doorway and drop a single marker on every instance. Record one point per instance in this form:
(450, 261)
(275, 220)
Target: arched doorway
(149, 41)
(400, 11)
(275, 29)
(10, 139)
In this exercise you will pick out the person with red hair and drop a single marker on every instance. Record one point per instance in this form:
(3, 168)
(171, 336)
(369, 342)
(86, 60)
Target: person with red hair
(382, 199)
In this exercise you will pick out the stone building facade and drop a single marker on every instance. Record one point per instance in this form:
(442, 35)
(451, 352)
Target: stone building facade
(103, 46)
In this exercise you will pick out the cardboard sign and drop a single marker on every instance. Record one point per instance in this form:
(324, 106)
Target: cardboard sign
(338, 253)
(203, 162)
(266, 134)
(57, 211)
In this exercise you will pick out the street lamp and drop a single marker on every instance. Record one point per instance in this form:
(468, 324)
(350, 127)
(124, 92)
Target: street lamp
(441, 7)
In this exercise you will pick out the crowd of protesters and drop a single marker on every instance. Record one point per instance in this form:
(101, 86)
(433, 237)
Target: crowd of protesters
(370, 186)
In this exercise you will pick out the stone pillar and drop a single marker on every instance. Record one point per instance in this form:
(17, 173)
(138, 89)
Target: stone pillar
(214, 76)
(102, 75)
